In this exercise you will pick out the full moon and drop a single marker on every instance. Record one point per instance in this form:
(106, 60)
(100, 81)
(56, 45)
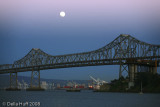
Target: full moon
(62, 13)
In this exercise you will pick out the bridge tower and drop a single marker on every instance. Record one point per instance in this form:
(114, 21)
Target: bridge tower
(13, 82)
(35, 75)
(127, 52)
(131, 69)
(35, 81)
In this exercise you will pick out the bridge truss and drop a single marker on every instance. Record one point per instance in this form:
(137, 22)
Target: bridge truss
(125, 50)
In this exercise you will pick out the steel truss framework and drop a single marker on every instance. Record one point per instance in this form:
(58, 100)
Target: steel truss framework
(35, 79)
(124, 49)
(122, 68)
(13, 80)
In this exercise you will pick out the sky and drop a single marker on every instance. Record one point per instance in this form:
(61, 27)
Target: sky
(88, 25)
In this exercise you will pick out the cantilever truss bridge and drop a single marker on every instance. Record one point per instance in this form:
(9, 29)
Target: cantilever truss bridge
(130, 53)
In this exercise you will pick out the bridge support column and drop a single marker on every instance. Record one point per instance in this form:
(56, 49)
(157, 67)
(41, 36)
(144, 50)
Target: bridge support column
(132, 68)
(35, 82)
(35, 79)
(13, 82)
(132, 71)
(153, 70)
(122, 69)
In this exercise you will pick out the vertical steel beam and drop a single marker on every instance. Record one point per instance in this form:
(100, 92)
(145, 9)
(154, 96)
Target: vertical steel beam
(39, 79)
(120, 71)
(13, 80)
(31, 85)
(35, 79)
(10, 80)
(16, 80)
(123, 68)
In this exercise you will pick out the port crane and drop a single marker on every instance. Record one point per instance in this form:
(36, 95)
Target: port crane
(98, 81)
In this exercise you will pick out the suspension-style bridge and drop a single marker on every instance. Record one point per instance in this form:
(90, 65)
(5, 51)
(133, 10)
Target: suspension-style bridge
(130, 53)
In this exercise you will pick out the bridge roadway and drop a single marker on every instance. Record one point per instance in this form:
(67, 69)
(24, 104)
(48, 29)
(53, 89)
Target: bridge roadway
(125, 50)
(82, 63)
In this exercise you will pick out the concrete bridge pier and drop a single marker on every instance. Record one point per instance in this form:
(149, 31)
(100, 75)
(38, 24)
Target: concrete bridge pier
(132, 70)
(35, 81)
(13, 82)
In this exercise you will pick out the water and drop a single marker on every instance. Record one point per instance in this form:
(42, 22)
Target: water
(79, 99)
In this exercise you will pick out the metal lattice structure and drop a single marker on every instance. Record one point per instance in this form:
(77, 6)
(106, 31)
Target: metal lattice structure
(125, 49)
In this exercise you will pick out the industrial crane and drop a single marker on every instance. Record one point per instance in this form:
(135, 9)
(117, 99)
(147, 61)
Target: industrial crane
(98, 82)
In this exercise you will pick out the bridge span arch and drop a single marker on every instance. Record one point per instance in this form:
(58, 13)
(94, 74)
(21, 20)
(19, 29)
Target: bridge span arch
(128, 52)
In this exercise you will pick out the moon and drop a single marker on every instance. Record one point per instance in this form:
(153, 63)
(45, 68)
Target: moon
(62, 14)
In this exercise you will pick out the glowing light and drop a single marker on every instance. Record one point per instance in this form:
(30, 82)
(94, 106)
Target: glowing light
(62, 13)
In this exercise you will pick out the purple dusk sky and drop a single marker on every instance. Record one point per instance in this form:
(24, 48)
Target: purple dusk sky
(102, 13)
